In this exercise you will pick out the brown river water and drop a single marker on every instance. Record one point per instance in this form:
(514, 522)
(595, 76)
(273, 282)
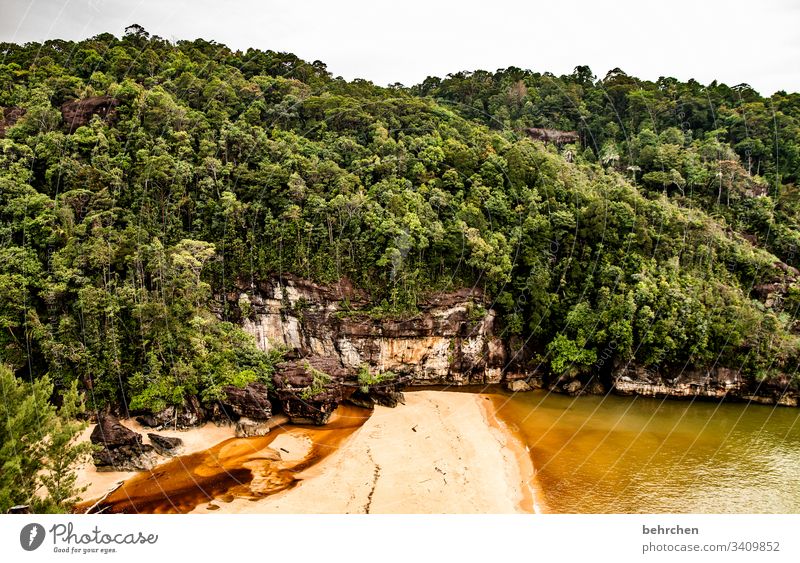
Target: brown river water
(597, 454)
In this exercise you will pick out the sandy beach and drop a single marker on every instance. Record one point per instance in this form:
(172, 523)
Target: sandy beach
(441, 452)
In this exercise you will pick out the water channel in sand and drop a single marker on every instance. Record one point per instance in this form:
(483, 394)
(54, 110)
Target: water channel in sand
(238, 467)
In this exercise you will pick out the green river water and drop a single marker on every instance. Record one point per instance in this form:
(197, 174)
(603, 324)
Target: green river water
(597, 454)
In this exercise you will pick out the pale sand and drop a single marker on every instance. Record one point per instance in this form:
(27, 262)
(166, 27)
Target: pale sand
(194, 440)
(439, 453)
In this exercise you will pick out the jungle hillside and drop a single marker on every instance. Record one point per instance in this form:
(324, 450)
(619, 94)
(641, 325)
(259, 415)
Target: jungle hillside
(142, 181)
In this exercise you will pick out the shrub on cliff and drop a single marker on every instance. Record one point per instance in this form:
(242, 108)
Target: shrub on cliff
(367, 379)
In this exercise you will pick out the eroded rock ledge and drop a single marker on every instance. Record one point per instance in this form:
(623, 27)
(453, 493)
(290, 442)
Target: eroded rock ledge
(717, 383)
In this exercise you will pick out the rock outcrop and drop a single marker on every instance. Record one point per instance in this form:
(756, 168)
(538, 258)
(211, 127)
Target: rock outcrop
(519, 386)
(248, 427)
(77, 113)
(188, 415)
(249, 408)
(121, 448)
(165, 445)
(717, 383)
(451, 341)
(8, 117)
(310, 389)
(387, 393)
(573, 386)
(251, 401)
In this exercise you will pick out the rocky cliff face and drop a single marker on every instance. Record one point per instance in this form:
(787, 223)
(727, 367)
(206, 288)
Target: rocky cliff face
(329, 337)
(8, 117)
(717, 383)
(452, 341)
(77, 113)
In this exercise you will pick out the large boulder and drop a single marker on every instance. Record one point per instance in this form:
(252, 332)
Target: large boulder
(309, 390)
(573, 387)
(387, 396)
(248, 427)
(247, 402)
(518, 386)
(165, 445)
(188, 415)
(111, 433)
(387, 393)
(248, 407)
(121, 449)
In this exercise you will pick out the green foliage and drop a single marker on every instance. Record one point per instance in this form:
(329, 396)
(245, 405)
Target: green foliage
(38, 453)
(319, 381)
(367, 379)
(218, 354)
(569, 357)
(475, 313)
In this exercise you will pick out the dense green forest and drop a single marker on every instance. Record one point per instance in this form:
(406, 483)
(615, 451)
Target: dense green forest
(653, 237)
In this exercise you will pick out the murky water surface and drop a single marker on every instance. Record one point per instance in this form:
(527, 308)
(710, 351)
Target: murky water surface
(626, 455)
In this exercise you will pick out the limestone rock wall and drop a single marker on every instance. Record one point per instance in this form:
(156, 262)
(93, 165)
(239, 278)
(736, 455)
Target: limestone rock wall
(719, 383)
(452, 341)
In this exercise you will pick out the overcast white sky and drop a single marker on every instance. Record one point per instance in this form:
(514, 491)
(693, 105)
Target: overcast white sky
(734, 41)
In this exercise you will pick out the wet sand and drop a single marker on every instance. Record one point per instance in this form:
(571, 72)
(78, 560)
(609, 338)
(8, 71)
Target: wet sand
(439, 453)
